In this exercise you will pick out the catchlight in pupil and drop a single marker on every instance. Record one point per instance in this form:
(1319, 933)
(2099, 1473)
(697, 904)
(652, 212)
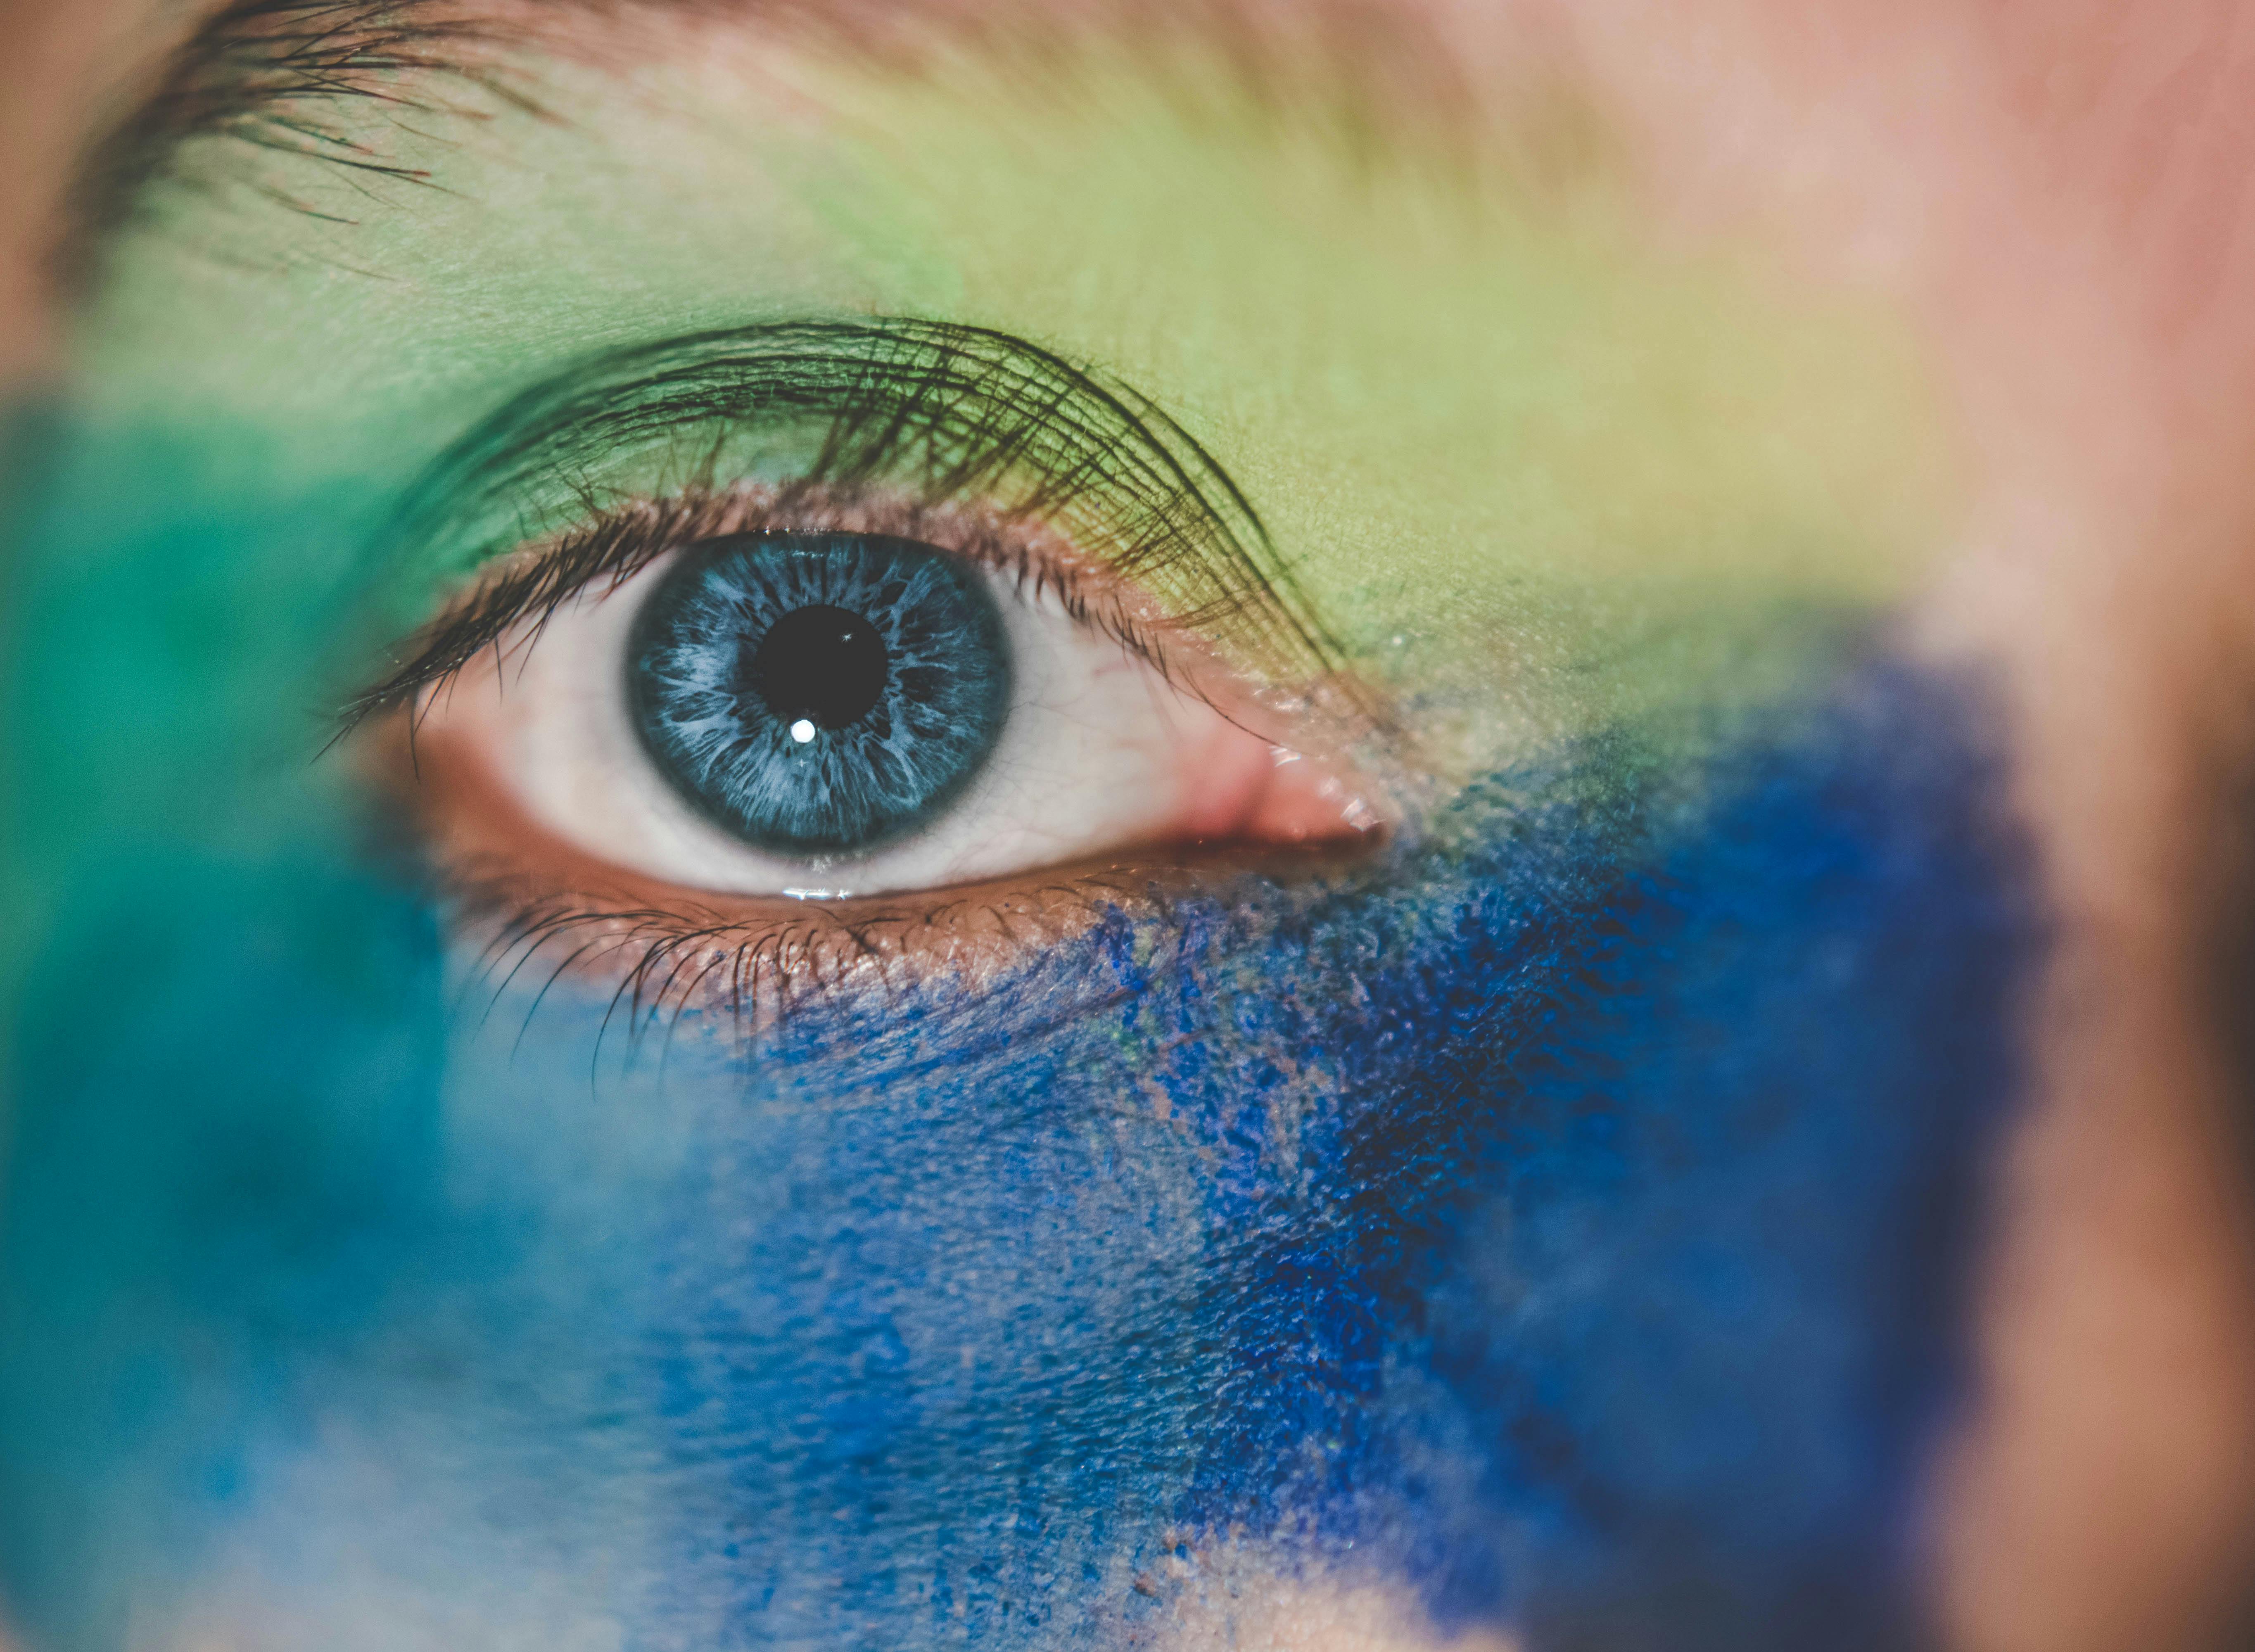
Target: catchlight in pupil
(819, 694)
(820, 664)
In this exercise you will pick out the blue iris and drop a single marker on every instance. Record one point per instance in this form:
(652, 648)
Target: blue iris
(819, 693)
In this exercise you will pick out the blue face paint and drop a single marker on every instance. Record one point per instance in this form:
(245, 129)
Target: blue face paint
(1567, 1220)
(1573, 1222)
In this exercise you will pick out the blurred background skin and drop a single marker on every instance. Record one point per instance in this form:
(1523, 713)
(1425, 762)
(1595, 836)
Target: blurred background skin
(2064, 194)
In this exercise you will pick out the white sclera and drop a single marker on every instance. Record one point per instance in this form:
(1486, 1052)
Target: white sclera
(1099, 752)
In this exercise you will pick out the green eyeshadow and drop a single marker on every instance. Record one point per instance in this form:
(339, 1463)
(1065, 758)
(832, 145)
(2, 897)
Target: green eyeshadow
(1479, 407)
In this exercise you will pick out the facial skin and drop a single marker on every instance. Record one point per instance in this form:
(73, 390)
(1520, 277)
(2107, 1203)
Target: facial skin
(1743, 1156)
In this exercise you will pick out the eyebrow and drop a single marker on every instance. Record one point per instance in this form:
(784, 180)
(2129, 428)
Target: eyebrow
(277, 77)
(296, 79)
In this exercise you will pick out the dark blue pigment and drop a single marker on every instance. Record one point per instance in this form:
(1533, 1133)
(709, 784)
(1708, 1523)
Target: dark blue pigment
(1573, 1220)
(819, 693)
(1569, 1218)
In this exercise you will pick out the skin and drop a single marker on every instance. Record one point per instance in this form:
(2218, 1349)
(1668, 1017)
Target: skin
(1928, 307)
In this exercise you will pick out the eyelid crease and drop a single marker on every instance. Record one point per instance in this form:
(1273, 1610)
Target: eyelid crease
(944, 415)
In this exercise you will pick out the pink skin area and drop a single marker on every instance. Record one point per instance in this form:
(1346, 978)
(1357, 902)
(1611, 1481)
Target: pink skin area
(1250, 792)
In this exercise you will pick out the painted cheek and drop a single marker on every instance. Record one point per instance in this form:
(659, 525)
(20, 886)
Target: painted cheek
(1568, 1221)
(1574, 1227)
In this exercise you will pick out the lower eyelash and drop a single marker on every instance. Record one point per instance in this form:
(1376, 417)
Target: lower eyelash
(742, 975)
(880, 962)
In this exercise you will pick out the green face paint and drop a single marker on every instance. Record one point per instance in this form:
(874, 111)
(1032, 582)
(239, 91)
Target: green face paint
(1575, 474)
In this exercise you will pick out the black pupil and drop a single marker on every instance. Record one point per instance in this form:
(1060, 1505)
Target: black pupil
(822, 664)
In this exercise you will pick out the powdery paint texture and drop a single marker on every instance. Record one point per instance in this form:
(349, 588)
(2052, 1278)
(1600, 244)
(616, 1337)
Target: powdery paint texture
(1566, 1222)
(1573, 1221)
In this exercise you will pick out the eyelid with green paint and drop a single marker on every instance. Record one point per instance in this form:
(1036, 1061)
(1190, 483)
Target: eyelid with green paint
(515, 754)
(1118, 732)
(935, 413)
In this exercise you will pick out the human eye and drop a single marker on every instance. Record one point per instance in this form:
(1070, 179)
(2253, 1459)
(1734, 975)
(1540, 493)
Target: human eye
(875, 629)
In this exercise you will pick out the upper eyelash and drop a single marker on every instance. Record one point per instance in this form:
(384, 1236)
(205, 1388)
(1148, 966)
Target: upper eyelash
(614, 547)
(943, 412)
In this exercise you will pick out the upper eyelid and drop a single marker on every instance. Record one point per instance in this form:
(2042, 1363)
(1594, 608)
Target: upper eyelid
(951, 412)
(612, 551)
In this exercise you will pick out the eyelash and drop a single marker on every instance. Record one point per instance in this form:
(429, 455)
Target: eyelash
(922, 419)
(520, 597)
(754, 974)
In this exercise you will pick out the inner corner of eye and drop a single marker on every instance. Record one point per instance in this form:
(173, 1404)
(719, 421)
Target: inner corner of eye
(1254, 791)
(886, 711)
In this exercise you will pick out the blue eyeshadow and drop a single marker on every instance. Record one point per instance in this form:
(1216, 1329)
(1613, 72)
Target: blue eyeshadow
(1568, 1219)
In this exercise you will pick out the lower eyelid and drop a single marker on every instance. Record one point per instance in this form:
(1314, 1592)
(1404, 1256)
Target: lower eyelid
(527, 909)
(525, 906)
